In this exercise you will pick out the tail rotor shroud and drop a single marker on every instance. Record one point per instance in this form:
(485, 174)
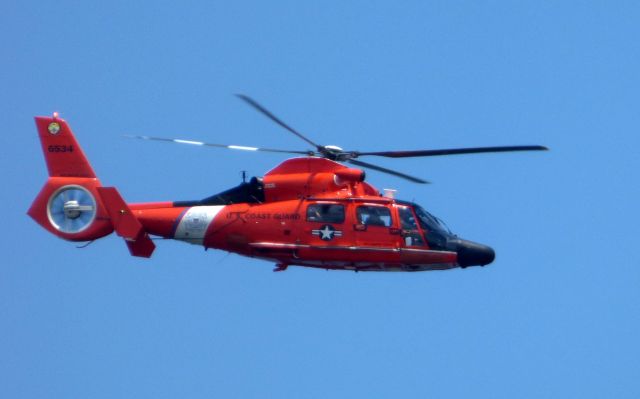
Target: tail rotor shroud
(71, 209)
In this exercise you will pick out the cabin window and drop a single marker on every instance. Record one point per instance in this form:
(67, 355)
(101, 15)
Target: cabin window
(374, 216)
(325, 213)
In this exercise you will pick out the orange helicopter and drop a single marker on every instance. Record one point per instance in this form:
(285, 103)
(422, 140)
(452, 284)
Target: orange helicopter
(308, 211)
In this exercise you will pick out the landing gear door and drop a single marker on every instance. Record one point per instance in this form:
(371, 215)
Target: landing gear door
(411, 234)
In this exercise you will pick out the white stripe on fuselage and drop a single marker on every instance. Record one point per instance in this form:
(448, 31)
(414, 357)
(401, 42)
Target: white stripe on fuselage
(195, 222)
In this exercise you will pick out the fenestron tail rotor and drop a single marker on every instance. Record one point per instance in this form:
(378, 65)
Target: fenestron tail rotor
(71, 209)
(338, 154)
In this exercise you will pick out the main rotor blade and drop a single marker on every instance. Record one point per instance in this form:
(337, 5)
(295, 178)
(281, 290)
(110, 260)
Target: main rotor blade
(453, 151)
(389, 171)
(274, 118)
(231, 147)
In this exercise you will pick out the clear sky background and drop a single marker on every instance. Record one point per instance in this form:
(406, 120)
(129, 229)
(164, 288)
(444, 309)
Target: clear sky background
(556, 315)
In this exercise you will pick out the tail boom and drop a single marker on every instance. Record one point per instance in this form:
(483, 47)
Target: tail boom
(74, 205)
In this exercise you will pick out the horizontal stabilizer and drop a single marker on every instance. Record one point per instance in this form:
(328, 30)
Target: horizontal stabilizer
(142, 247)
(125, 223)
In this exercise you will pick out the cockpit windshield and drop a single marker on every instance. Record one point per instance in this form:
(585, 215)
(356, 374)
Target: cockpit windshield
(436, 231)
(431, 222)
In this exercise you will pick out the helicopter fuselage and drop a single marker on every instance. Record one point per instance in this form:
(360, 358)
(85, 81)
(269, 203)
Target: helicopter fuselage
(347, 225)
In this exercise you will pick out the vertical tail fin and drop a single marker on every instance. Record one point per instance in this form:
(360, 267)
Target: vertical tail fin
(62, 153)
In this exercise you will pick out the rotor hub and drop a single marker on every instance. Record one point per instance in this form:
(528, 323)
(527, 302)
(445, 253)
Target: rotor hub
(72, 209)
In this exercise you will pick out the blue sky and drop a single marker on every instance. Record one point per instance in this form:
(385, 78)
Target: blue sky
(556, 315)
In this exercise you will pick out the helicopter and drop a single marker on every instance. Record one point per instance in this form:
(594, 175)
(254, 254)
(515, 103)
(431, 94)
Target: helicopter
(311, 210)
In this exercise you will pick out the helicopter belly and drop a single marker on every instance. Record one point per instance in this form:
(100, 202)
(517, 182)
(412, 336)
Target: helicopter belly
(357, 258)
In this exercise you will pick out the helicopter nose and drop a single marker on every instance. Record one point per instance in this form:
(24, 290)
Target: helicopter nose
(473, 254)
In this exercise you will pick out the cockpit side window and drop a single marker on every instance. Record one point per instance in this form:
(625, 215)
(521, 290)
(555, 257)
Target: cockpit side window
(407, 220)
(373, 215)
(325, 213)
(410, 232)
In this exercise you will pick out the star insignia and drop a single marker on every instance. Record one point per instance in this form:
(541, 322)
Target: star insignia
(327, 232)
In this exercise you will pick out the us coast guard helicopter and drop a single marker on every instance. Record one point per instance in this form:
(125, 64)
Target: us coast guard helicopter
(312, 210)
